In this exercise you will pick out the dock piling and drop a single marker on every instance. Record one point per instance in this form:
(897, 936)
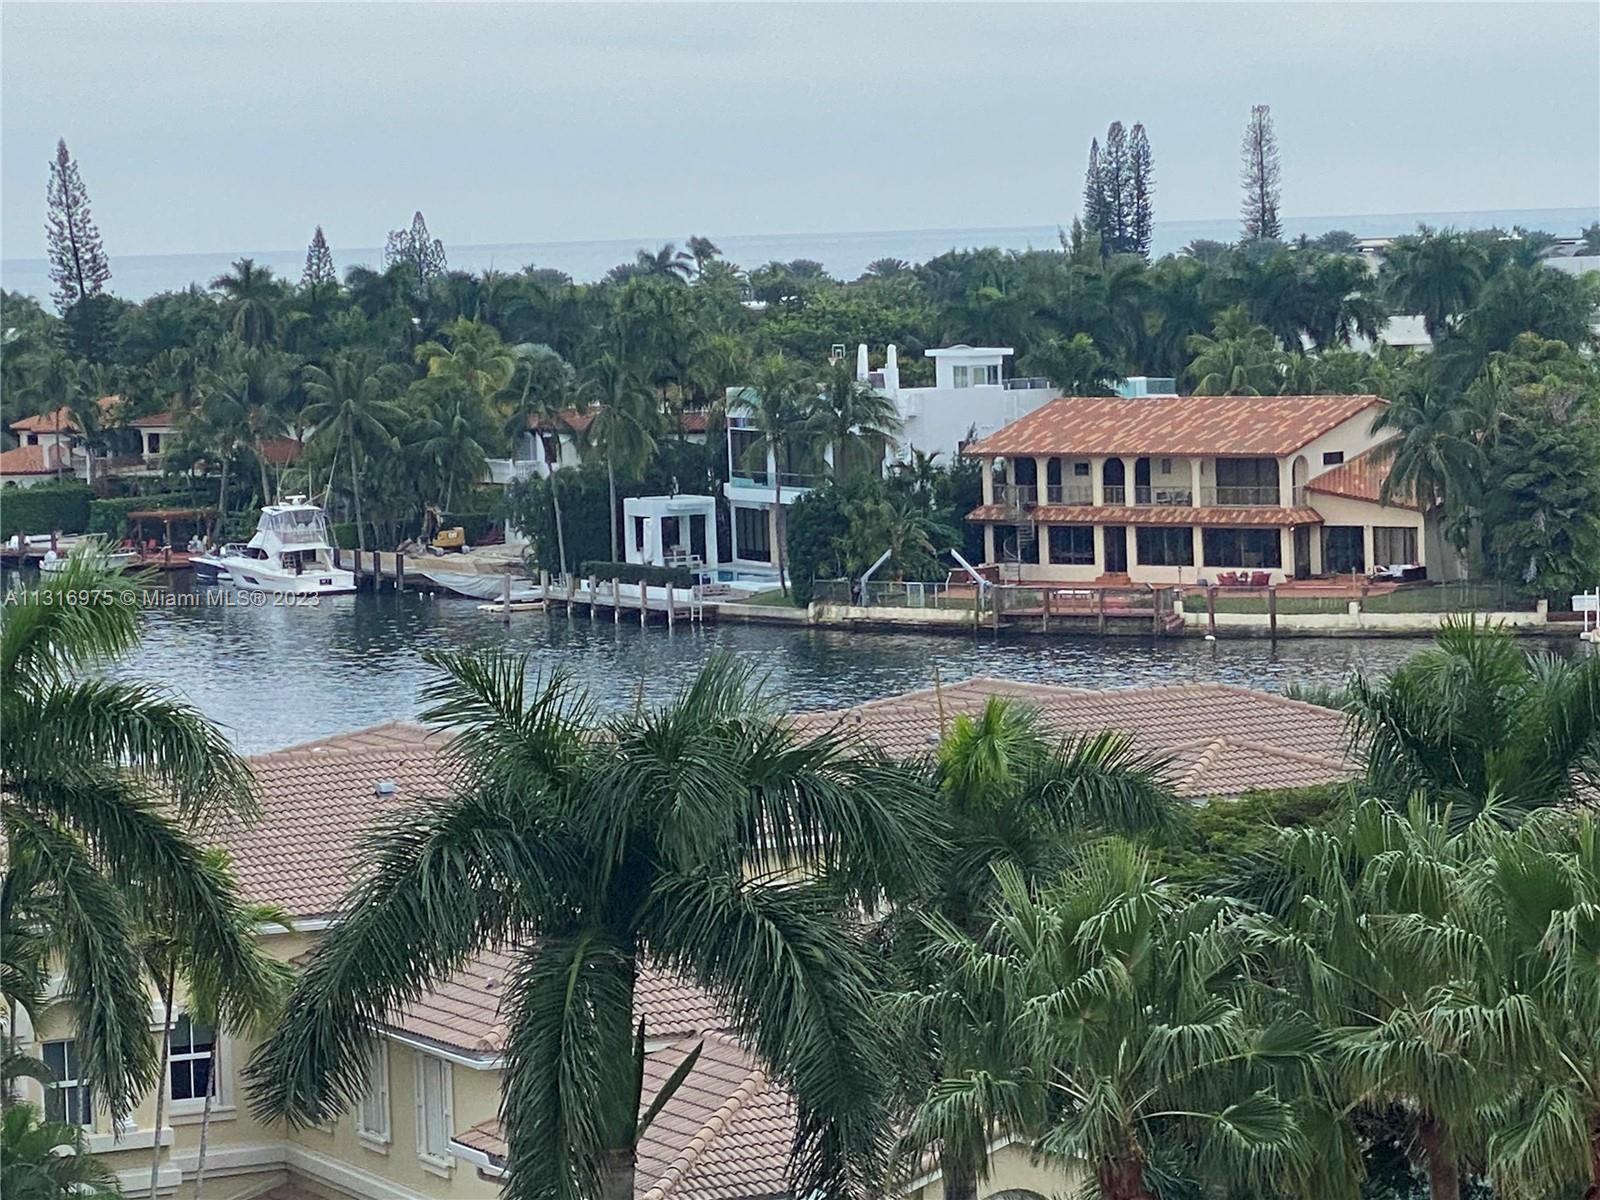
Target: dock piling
(594, 596)
(616, 601)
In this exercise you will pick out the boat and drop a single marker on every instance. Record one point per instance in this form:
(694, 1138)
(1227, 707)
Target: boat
(89, 544)
(290, 554)
(211, 568)
(476, 587)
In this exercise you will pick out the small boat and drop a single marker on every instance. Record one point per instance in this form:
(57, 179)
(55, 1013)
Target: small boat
(476, 587)
(290, 554)
(94, 544)
(211, 568)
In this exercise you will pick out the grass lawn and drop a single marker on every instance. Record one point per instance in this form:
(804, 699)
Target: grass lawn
(773, 596)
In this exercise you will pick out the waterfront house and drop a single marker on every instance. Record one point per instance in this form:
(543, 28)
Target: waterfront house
(548, 445)
(1186, 489)
(427, 1127)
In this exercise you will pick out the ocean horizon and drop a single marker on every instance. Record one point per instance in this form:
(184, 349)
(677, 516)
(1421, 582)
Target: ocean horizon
(136, 277)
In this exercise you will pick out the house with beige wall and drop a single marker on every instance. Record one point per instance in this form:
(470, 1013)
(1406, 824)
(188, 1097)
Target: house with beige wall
(428, 1125)
(1175, 489)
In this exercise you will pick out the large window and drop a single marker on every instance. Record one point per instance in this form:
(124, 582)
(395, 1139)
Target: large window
(979, 376)
(1072, 545)
(1165, 546)
(65, 1098)
(372, 1116)
(433, 1110)
(752, 533)
(1394, 545)
(1247, 481)
(191, 1059)
(1242, 547)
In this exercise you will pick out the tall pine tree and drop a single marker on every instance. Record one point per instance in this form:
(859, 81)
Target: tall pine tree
(319, 262)
(414, 246)
(1094, 195)
(78, 266)
(1259, 176)
(1114, 184)
(1141, 187)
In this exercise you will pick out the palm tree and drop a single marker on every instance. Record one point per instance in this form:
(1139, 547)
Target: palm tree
(1476, 725)
(250, 294)
(853, 420)
(703, 250)
(1434, 453)
(1012, 798)
(780, 406)
(1121, 1031)
(1434, 274)
(99, 780)
(550, 398)
(663, 837)
(1238, 359)
(625, 425)
(352, 404)
(48, 1160)
(1074, 366)
(666, 263)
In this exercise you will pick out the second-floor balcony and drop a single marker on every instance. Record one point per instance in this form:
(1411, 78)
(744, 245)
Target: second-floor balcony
(744, 477)
(1263, 496)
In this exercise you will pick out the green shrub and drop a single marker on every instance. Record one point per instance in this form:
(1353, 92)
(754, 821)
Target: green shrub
(110, 516)
(46, 508)
(344, 535)
(639, 573)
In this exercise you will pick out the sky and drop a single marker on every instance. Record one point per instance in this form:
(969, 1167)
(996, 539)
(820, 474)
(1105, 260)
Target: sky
(205, 127)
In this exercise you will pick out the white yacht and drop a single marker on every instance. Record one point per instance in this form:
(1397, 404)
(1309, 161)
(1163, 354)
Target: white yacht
(290, 554)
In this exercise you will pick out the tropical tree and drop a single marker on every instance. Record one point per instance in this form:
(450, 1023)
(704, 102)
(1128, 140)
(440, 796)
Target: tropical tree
(1477, 726)
(1434, 453)
(48, 1160)
(549, 397)
(352, 407)
(1074, 366)
(1435, 274)
(1238, 359)
(250, 296)
(779, 407)
(854, 420)
(703, 250)
(1120, 1030)
(663, 838)
(627, 421)
(100, 779)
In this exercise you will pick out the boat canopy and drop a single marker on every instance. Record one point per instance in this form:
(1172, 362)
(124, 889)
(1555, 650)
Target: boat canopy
(295, 526)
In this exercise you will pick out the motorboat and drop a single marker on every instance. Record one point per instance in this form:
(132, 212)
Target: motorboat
(291, 554)
(89, 545)
(212, 567)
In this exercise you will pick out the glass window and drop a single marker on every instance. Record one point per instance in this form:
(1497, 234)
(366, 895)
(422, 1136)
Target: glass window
(959, 377)
(190, 1060)
(752, 534)
(65, 1098)
(1332, 458)
(1394, 545)
(1242, 547)
(1081, 470)
(372, 1116)
(989, 375)
(1072, 544)
(1165, 546)
(433, 1109)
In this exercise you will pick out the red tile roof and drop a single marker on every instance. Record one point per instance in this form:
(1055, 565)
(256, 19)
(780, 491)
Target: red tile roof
(1155, 514)
(166, 420)
(1360, 478)
(1199, 425)
(281, 451)
(35, 460)
(59, 419)
(725, 1135)
(567, 421)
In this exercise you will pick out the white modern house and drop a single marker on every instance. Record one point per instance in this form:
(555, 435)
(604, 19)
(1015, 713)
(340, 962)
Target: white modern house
(671, 531)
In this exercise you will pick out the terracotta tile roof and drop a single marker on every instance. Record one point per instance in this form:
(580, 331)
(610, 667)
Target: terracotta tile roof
(60, 419)
(165, 420)
(1223, 740)
(281, 451)
(318, 799)
(568, 421)
(35, 460)
(1200, 425)
(1360, 478)
(690, 422)
(725, 1134)
(1154, 514)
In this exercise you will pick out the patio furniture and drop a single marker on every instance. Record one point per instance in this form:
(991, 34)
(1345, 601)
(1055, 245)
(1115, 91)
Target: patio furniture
(1260, 578)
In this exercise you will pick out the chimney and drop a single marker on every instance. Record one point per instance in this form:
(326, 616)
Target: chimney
(891, 372)
(861, 363)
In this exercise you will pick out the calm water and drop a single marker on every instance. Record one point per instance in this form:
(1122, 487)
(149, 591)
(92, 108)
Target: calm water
(272, 677)
(844, 254)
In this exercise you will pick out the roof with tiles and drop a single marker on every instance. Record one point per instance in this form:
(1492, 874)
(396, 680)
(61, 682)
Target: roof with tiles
(1360, 478)
(35, 460)
(725, 1134)
(1222, 740)
(1156, 514)
(1198, 425)
(60, 420)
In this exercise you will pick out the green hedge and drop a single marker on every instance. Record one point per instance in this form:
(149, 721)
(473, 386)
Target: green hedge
(639, 573)
(45, 508)
(110, 517)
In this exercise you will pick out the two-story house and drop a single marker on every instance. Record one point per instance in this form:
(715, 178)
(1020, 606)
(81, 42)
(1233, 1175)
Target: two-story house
(1175, 489)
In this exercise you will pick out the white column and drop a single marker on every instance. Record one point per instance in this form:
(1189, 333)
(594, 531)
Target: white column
(1043, 554)
(1286, 551)
(1366, 547)
(1316, 550)
(1194, 488)
(1097, 484)
(1127, 482)
(988, 481)
(1041, 474)
(988, 543)
(1286, 483)
(1199, 543)
(710, 519)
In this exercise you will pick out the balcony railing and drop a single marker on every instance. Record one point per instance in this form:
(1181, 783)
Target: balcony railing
(1069, 493)
(1115, 493)
(1240, 497)
(1180, 497)
(786, 479)
(1019, 495)
(1026, 384)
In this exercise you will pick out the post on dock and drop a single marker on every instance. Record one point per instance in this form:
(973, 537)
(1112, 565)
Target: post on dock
(672, 604)
(594, 596)
(1272, 610)
(1100, 611)
(616, 601)
(1157, 598)
(572, 594)
(54, 545)
(644, 601)
(1046, 594)
(505, 598)
(399, 571)
(1211, 610)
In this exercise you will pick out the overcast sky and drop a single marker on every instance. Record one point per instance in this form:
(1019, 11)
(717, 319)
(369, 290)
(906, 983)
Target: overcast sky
(209, 127)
